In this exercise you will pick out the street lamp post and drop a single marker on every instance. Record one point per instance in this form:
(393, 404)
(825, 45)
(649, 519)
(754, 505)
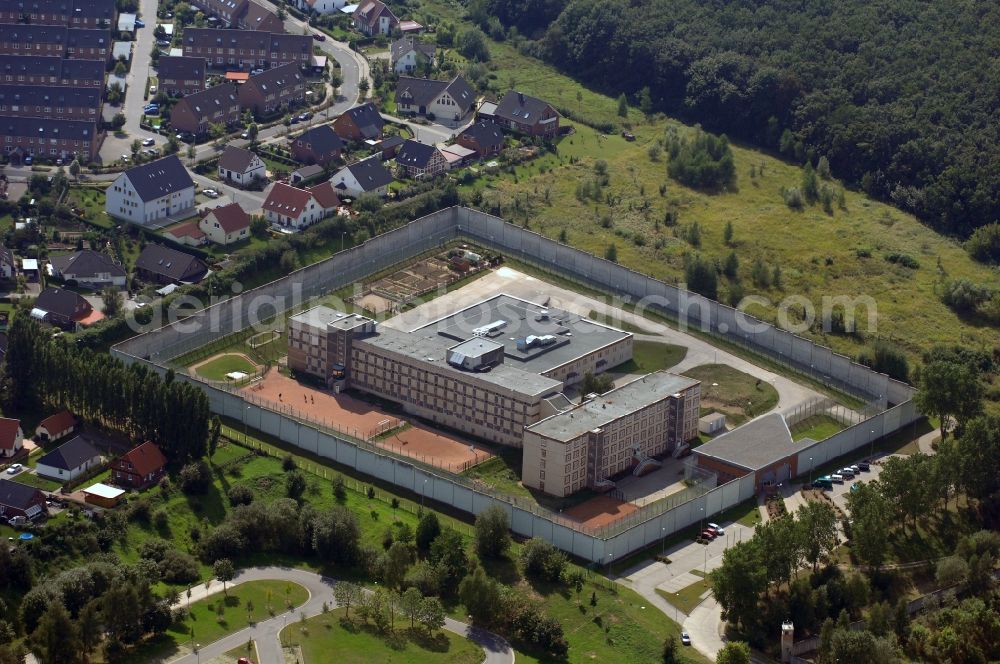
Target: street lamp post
(871, 450)
(702, 510)
(245, 417)
(197, 651)
(423, 493)
(810, 471)
(663, 535)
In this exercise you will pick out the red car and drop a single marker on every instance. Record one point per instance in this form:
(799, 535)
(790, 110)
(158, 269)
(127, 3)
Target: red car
(708, 534)
(243, 660)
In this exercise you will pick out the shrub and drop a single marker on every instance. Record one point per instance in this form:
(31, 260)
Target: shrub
(492, 536)
(984, 244)
(195, 478)
(542, 561)
(888, 359)
(906, 260)
(964, 296)
(240, 494)
(706, 162)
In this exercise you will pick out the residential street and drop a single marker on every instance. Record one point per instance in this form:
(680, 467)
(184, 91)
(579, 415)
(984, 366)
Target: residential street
(266, 634)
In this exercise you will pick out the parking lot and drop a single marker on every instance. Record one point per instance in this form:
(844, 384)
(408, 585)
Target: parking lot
(840, 492)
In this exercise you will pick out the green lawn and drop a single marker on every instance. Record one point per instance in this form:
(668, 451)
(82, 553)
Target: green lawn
(218, 368)
(244, 604)
(34, 480)
(330, 637)
(91, 199)
(817, 427)
(650, 356)
(686, 599)
(739, 395)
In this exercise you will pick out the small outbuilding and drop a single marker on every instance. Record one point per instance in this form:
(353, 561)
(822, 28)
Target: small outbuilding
(56, 426)
(712, 424)
(103, 495)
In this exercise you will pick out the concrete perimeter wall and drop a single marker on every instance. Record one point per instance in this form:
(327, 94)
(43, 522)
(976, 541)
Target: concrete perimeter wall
(597, 545)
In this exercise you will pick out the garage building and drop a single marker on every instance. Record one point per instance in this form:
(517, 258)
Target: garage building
(763, 447)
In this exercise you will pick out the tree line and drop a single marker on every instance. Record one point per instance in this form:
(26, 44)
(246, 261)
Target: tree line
(893, 93)
(131, 400)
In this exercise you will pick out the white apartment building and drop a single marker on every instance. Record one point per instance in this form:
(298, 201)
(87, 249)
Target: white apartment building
(151, 192)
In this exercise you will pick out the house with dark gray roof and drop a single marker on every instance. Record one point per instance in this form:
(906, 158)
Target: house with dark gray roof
(8, 268)
(409, 53)
(247, 49)
(485, 138)
(69, 460)
(60, 307)
(50, 138)
(51, 70)
(443, 100)
(51, 101)
(273, 90)
(18, 499)
(180, 74)
(361, 123)
(89, 268)
(163, 265)
(73, 13)
(367, 176)
(151, 192)
(419, 160)
(241, 166)
(526, 115)
(319, 145)
(197, 112)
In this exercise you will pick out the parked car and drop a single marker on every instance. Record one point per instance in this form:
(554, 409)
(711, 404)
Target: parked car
(28, 160)
(139, 23)
(847, 473)
(245, 134)
(152, 89)
(305, 116)
(837, 478)
(211, 193)
(14, 469)
(863, 465)
(254, 72)
(856, 469)
(708, 534)
(822, 483)
(126, 158)
(163, 43)
(719, 530)
(148, 142)
(319, 36)
(685, 638)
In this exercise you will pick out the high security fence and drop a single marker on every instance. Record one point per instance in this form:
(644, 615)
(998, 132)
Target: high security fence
(602, 545)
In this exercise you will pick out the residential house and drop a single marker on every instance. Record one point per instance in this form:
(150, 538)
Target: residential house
(63, 308)
(140, 467)
(485, 138)
(319, 145)
(326, 197)
(527, 115)
(321, 6)
(88, 268)
(241, 166)
(188, 234)
(56, 426)
(258, 17)
(89, 44)
(8, 267)
(361, 123)
(247, 49)
(52, 139)
(419, 160)
(228, 10)
(75, 13)
(444, 100)
(408, 54)
(196, 113)
(55, 40)
(51, 70)
(21, 500)
(11, 437)
(226, 224)
(367, 176)
(180, 75)
(69, 460)
(292, 209)
(163, 265)
(274, 90)
(372, 17)
(50, 101)
(151, 192)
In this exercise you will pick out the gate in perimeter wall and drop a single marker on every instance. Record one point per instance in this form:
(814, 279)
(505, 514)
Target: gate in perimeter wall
(601, 545)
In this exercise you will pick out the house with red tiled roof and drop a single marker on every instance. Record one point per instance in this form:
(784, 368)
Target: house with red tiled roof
(141, 466)
(226, 224)
(372, 17)
(290, 208)
(56, 426)
(326, 196)
(11, 437)
(187, 234)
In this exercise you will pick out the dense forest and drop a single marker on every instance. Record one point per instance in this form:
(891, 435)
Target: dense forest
(899, 95)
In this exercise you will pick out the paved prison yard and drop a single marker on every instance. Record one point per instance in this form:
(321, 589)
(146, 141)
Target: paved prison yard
(364, 420)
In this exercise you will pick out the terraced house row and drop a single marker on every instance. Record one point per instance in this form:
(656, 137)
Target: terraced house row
(51, 102)
(56, 40)
(246, 49)
(51, 70)
(71, 13)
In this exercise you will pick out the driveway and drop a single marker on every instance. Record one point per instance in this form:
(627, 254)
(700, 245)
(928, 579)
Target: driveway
(136, 79)
(266, 633)
(432, 133)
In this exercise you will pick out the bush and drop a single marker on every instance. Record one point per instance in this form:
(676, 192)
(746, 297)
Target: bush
(703, 163)
(964, 296)
(492, 536)
(984, 244)
(906, 260)
(542, 561)
(195, 478)
(240, 494)
(888, 359)
(288, 463)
